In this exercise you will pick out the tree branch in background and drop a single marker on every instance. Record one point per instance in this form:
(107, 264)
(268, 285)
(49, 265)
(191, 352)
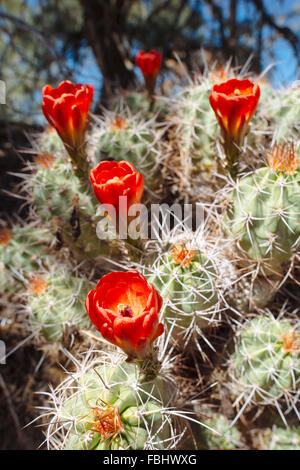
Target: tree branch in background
(284, 31)
(106, 38)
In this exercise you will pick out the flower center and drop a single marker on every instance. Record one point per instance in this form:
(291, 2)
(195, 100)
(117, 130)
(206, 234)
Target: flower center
(107, 421)
(182, 255)
(291, 342)
(237, 92)
(125, 310)
(5, 236)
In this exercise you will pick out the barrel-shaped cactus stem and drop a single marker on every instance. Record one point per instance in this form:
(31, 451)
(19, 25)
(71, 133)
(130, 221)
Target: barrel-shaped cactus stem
(264, 214)
(55, 303)
(265, 365)
(106, 404)
(186, 279)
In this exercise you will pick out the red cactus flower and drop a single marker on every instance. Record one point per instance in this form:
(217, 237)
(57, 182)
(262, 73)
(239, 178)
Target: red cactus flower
(149, 63)
(111, 179)
(124, 308)
(234, 103)
(66, 108)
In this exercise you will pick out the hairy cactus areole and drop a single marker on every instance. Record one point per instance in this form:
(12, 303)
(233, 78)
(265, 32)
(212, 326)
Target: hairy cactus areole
(266, 362)
(110, 407)
(264, 216)
(56, 303)
(185, 277)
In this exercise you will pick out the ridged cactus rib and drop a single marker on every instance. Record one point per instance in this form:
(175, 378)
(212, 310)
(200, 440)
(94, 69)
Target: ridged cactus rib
(185, 278)
(56, 302)
(266, 361)
(110, 407)
(264, 216)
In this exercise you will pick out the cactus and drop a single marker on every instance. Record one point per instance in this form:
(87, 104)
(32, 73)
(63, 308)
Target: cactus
(107, 405)
(67, 209)
(56, 303)
(49, 142)
(128, 137)
(283, 111)
(21, 252)
(266, 362)
(278, 438)
(139, 103)
(185, 279)
(215, 433)
(265, 212)
(195, 130)
(200, 329)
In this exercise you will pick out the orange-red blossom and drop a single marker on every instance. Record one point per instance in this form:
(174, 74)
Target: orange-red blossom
(234, 103)
(125, 308)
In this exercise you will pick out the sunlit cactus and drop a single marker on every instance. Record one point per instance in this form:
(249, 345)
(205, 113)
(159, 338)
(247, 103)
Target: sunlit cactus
(107, 405)
(56, 303)
(266, 362)
(203, 363)
(122, 136)
(22, 250)
(185, 277)
(265, 211)
(195, 131)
